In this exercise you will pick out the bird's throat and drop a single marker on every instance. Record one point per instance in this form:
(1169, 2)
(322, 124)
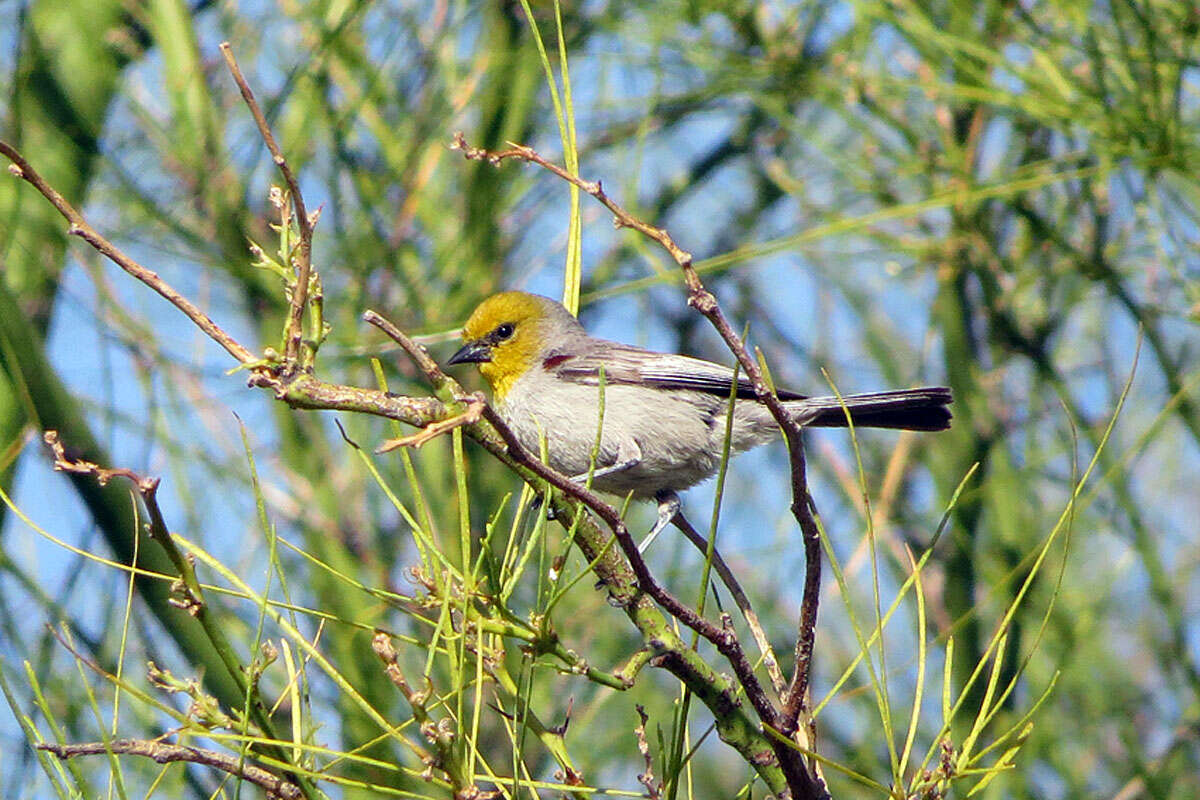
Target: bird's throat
(501, 380)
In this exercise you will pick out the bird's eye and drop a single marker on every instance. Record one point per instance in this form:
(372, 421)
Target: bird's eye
(504, 331)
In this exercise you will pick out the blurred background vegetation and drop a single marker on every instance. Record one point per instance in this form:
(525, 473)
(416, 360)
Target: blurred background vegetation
(1000, 196)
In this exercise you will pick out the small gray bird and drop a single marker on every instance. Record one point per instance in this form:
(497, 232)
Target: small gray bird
(663, 428)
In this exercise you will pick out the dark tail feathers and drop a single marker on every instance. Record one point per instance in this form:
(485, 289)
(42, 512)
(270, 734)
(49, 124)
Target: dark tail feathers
(923, 409)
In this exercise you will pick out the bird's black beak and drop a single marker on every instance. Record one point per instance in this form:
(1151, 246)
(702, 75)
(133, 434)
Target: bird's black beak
(476, 352)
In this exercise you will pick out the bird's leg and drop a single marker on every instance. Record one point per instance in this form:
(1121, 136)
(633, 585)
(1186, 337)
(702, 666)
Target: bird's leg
(668, 507)
(629, 455)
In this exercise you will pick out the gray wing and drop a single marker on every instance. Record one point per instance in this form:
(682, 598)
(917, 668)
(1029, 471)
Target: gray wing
(625, 364)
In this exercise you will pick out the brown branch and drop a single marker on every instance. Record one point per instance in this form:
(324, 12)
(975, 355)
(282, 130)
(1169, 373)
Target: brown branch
(721, 636)
(622, 218)
(305, 391)
(438, 734)
(236, 765)
(435, 429)
(186, 589)
(699, 298)
(64, 463)
(299, 389)
(304, 255)
(653, 790)
(420, 356)
(795, 700)
(739, 598)
(192, 599)
(79, 227)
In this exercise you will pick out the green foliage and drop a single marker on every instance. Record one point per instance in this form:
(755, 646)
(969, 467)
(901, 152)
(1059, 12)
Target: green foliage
(999, 196)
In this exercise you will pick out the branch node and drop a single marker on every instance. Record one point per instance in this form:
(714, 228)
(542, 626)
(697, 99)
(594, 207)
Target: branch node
(703, 301)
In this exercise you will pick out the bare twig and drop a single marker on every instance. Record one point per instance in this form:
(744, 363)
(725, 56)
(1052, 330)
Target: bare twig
(148, 489)
(435, 429)
(439, 733)
(721, 636)
(187, 588)
(236, 765)
(79, 227)
(622, 218)
(788, 719)
(653, 790)
(740, 600)
(420, 356)
(304, 253)
(299, 389)
(64, 463)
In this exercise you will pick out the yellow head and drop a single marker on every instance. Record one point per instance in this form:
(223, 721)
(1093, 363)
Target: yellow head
(512, 332)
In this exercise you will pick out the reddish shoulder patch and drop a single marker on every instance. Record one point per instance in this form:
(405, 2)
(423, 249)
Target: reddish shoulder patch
(555, 361)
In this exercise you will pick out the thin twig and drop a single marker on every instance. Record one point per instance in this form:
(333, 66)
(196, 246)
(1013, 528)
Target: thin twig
(420, 356)
(740, 600)
(721, 636)
(299, 389)
(79, 227)
(795, 700)
(163, 753)
(436, 732)
(304, 254)
(622, 218)
(436, 429)
(64, 463)
(147, 487)
(189, 593)
(653, 790)
(699, 298)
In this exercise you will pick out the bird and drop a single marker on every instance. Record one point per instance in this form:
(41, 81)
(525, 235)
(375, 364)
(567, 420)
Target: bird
(664, 415)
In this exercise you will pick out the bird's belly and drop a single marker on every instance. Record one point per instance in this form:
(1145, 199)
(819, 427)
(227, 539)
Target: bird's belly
(677, 435)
